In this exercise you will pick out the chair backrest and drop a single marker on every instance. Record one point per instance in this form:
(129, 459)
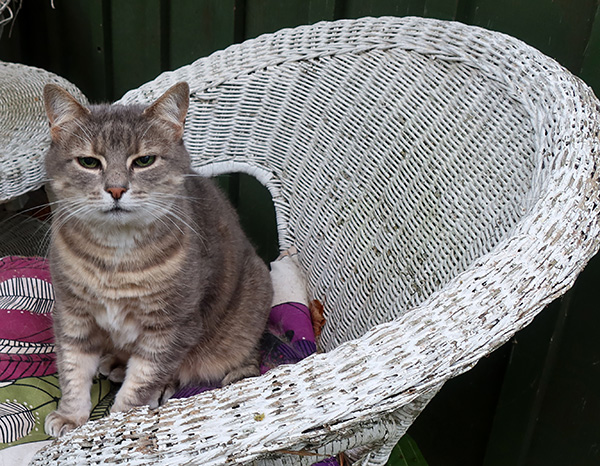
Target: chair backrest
(24, 134)
(397, 151)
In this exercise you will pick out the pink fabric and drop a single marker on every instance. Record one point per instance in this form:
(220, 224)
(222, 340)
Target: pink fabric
(26, 337)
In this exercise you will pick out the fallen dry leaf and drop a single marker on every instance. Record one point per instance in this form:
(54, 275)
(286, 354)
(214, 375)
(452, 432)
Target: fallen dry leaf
(317, 316)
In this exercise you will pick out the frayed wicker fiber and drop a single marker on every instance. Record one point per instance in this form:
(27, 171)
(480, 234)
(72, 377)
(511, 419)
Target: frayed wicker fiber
(440, 183)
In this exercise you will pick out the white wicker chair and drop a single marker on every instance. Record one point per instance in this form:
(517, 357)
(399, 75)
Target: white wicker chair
(24, 135)
(440, 181)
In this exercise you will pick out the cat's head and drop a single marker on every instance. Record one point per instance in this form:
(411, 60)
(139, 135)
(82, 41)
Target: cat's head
(117, 164)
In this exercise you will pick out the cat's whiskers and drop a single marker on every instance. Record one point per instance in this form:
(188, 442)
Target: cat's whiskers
(161, 219)
(174, 213)
(184, 197)
(167, 213)
(46, 238)
(194, 175)
(148, 128)
(34, 211)
(86, 140)
(12, 223)
(61, 207)
(180, 197)
(85, 131)
(44, 242)
(179, 217)
(66, 213)
(161, 209)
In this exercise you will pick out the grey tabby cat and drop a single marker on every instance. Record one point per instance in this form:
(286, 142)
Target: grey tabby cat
(156, 284)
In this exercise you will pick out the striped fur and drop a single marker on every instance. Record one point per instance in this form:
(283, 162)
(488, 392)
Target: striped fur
(155, 282)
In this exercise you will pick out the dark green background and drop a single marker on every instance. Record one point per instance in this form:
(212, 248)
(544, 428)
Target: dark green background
(535, 401)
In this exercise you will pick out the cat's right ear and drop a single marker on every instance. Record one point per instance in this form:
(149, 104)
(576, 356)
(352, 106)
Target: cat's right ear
(61, 107)
(171, 108)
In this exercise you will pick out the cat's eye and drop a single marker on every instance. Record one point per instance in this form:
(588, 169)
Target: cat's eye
(89, 162)
(144, 161)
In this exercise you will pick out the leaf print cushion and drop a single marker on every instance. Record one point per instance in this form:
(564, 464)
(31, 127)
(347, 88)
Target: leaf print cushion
(28, 384)
(29, 388)
(26, 300)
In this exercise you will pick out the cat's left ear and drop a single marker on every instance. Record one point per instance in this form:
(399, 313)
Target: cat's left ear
(61, 108)
(171, 108)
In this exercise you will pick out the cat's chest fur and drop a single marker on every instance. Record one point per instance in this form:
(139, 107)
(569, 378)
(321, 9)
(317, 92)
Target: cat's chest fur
(123, 268)
(115, 319)
(124, 281)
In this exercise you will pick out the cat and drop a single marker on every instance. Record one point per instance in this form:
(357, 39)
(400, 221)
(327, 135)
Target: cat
(156, 285)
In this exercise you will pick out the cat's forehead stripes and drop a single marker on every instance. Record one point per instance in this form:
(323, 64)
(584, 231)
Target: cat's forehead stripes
(119, 134)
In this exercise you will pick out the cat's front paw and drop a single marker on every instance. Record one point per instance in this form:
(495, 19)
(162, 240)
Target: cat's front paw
(58, 424)
(113, 367)
(250, 370)
(123, 404)
(114, 374)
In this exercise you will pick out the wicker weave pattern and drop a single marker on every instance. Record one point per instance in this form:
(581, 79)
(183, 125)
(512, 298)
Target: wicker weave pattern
(440, 181)
(24, 135)
(406, 149)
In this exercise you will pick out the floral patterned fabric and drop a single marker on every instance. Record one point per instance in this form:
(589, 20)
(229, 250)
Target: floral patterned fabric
(29, 387)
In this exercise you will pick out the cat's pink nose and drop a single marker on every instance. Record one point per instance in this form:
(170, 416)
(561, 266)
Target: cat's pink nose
(116, 192)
